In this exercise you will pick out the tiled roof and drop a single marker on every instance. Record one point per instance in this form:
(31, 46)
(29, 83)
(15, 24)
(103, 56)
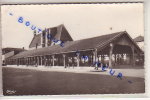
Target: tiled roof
(73, 46)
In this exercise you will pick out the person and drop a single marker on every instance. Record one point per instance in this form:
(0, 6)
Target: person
(104, 66)
(97, 64)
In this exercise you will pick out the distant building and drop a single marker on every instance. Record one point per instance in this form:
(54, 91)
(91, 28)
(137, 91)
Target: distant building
(140, 41)
(111, 49)
(9, 52)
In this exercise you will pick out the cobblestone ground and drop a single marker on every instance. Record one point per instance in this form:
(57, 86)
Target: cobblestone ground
(17, 81)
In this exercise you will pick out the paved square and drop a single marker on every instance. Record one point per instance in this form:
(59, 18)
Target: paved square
(36, 82)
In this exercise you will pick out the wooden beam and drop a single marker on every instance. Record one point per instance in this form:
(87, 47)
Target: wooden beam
(38, 61)
(46, 39)
(78, 60)
(133, 56)
(53, 62)
(41, 60)
(95, 57)
(110, 54)
(64, 60)
(115, 56)
(73, 61)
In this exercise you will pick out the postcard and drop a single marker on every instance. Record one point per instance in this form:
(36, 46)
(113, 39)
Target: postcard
(73, 49)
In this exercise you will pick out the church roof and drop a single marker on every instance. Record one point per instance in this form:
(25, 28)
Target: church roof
(80, 45)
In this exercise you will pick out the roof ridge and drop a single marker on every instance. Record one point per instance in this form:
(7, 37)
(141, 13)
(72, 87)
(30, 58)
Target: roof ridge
(103, 35)
(119, 33)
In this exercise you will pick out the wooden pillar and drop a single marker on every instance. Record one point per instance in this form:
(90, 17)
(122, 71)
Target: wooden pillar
(33, 61)
(41, 60)
(53, 62)
(41, 40)
(59, 60)
(78, 60)
(46, 39)
(64, 60)
(98, 58)
(122, 60)
(45, 60)
(95, 57)
(20, 61)
(49, 60)
(115, 59)
(29, 61)
(92, 59)
(110, 55)
(102, 60)
(23, 61)
(133, 56)
(89, 60)
(15, 62)
(73, 61)
(38, 61)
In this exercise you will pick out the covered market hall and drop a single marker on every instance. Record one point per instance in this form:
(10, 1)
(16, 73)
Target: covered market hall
(111, 49)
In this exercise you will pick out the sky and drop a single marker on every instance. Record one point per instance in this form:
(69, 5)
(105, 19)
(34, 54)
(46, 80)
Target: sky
(81, 20)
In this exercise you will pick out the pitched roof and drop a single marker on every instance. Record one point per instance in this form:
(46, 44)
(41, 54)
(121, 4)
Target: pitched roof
(139, 39)
(35, 41)
(9, 49)
(73, 46)
(59, 32)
